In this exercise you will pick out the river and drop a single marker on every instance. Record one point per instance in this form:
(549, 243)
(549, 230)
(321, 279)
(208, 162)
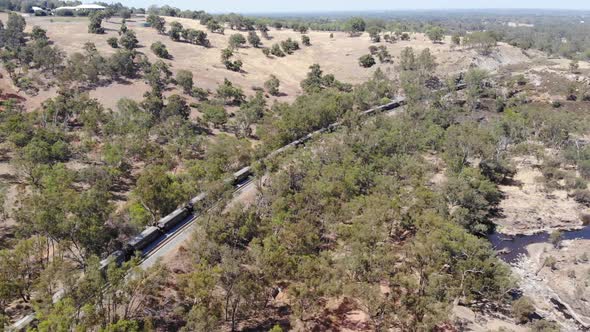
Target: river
(510, 247)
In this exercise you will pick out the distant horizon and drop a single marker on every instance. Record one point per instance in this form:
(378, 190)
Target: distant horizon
(343, 6)
(545, 10)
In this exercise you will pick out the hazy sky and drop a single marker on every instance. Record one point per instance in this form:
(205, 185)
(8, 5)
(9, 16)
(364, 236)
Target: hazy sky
(245, 6)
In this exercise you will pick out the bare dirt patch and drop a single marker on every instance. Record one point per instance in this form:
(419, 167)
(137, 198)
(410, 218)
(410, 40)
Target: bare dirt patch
(470, 320)
(527, 208)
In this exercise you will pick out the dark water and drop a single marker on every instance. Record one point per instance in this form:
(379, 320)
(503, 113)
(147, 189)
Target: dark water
(511, 247)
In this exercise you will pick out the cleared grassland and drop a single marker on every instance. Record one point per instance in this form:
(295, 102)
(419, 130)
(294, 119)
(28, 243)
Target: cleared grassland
(338, 55)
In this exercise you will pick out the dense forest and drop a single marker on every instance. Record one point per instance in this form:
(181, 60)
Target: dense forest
(352, 216)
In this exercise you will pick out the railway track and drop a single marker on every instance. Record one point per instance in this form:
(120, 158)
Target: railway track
(150, 256)
(160, 250)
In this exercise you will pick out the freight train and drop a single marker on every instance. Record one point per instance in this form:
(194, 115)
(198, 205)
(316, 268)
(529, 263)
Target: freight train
(141, 241)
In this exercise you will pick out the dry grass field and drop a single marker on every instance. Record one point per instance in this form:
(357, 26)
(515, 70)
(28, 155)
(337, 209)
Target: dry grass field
(338, 55)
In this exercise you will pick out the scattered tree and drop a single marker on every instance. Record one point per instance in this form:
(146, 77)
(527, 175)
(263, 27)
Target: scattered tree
(184, 78)
(113, 42)
(95, 25)
(367, 61)
(157, 23)
(253, 39)
(236, 40)
(374, 33)
(272, 85)
(435, 34)
(355, 26)
(214, 114)
(175, 31)
(129, 40)
(160, 50)
(305, 40)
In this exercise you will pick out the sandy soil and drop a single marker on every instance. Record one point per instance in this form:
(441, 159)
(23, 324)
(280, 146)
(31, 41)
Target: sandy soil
(338, 55)
(528, 209)
(476, 322)
(248, 195)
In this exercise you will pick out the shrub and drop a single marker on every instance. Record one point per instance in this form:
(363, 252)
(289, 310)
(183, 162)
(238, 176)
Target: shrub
(496, 171)
(184, 78)
(582, 196)
(544, 326)
(435, 34)
(272, 85)
(266, 51)
(482, 41)
(214, 114)
(383, 54)
(113, 42)
(200, 93)
(522, 309)
(555, 238)
(226, 55)
(521, 80)
(367, 61)
(276, 51)
(160, 50)
(573, 182)
(551, 263)
(574, 66)
(176, 106)
(233, 65)
(584, 168)
(95, 25)
(289, 45)
(237, 40)
(374, 33)
(305, 40)
(253, 39)
(196, 37)
(129, 40)
(229, 93)
(175, 31)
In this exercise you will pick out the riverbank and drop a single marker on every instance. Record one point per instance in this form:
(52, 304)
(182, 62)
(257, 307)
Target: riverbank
(558, 281)
(529, 208)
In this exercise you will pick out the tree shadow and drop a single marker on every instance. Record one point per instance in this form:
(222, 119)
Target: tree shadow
(7, 235)
(283, 313)
(9, 178)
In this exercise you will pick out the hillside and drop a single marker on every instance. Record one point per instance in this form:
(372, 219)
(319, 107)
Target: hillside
(338, 55)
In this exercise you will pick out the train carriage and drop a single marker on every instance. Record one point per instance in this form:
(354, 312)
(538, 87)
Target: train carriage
(141, 241)
(173, 219)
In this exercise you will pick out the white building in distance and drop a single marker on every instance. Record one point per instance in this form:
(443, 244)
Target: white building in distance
(81, 7)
